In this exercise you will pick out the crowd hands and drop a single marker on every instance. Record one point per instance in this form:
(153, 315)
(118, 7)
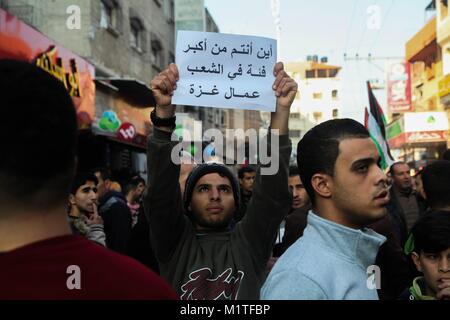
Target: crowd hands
(203, 231)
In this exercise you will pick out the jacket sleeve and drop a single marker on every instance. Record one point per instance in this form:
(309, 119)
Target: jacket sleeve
(270, 202)
(97, 234)
(162, 202)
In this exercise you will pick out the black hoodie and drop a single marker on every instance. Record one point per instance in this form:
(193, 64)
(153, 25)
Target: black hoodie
(116, 216)
(224, 264)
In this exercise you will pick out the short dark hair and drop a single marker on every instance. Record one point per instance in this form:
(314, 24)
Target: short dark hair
(293, 171)
(431, 232)
(105, 174)
(392, 167)
(243, 170)
(318, 150)
(446, 155)
(132, 184)
(38, 158)
(436, 183)
(80, 179)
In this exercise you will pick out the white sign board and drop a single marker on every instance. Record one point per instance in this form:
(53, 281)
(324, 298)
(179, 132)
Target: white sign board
(225, 71)
(426, 121)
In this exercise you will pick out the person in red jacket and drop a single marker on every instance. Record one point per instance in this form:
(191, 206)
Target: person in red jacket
(39, 257)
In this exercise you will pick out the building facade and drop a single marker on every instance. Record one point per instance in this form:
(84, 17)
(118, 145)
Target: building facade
(128, 43)
(443, 40)
(318, 98)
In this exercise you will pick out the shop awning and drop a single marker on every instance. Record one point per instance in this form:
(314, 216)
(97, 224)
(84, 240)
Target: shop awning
(133, 90)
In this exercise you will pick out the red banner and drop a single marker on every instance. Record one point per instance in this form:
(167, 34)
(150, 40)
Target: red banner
(399, 87)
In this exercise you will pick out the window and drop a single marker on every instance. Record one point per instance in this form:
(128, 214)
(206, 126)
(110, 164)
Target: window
(317, 95)
(332, 73)
(335, 113)
(109, 14)
(310, 74)
(317, 116)
(322, 73)
(334, 94)
(157, 53)
(137, 34)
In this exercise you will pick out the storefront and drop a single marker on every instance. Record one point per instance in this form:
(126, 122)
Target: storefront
(21, 42)
(113, 114)
(418, 137)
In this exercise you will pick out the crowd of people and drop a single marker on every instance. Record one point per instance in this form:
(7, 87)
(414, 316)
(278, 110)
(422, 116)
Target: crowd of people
(197, 231)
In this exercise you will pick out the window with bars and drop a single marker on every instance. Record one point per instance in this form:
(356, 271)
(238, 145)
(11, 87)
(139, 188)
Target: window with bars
(137, 34)
(110, 15)
(157, 53)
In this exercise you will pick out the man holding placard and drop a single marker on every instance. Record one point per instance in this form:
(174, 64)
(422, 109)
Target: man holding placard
(197, 252)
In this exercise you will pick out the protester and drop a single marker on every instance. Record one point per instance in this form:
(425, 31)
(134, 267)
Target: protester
(430, 251)
(197, 252)
(246, 177)
(114, 210)
(133, 193)
(436, 185)
(295, 222)
(404, 206)
(83, 215)
(39, 257)
(339, 167)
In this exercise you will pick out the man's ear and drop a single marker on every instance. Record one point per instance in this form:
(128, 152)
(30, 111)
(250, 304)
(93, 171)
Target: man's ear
(416, 259)
(108, 184)
(321, 184)
(72, 199)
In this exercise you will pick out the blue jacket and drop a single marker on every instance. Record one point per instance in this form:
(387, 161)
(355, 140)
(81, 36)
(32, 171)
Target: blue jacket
(329, 262)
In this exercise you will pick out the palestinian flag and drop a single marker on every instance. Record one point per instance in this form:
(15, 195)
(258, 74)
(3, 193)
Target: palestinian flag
(375, 123)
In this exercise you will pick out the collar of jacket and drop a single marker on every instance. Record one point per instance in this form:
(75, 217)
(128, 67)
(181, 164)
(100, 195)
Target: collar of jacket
(417, 288)
(359, 246)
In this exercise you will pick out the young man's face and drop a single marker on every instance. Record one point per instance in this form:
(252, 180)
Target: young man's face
(359, 190)
(85, 198)
(212, 203)
(140, 189)
(247, 181)
(300, 196)
(401, 176)
(436, 270)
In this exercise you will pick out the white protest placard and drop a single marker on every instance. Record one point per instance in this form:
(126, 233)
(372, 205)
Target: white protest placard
(225, 71)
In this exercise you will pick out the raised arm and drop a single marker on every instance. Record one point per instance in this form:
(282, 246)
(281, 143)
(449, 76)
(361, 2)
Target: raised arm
(163, 201)
(271, 199)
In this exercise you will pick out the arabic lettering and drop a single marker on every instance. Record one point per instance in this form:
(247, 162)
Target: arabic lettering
(201, 46)
(218, 69)
(232, 93)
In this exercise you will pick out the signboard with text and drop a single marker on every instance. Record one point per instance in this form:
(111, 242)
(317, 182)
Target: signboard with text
(224, 70)
(399, 87)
